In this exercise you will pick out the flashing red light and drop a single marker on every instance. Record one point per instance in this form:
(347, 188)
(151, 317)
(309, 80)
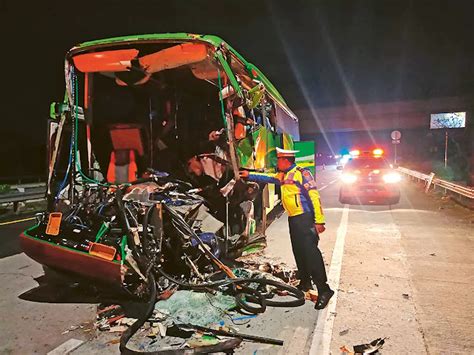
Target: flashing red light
(378, 152)
(355, 152)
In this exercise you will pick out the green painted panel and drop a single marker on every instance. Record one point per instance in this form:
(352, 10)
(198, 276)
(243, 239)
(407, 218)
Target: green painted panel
(305, 156)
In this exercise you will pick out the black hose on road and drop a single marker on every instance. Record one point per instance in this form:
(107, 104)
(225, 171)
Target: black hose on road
(126, 335)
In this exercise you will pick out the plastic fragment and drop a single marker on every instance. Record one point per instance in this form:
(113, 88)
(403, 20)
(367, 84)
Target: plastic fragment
(369, 348)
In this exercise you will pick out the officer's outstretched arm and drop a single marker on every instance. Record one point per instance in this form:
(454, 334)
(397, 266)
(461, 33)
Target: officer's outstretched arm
(264, 178)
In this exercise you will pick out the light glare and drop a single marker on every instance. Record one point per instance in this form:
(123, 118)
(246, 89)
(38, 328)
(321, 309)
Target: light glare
(348, 178)
(392, 178)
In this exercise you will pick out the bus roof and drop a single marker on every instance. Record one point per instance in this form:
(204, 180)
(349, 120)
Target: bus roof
(212, 40)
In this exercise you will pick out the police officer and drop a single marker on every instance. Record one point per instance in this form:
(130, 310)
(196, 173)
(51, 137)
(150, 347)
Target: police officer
(300, 199)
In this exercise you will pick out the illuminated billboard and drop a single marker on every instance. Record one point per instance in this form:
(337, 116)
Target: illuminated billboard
(448, 120)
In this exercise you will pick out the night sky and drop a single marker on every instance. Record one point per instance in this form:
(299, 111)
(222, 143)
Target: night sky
(317, 53)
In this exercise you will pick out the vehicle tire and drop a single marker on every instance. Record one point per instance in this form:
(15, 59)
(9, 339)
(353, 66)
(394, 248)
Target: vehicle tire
(244, 301)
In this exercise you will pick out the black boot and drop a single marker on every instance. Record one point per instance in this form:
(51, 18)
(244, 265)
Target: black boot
(323, 299)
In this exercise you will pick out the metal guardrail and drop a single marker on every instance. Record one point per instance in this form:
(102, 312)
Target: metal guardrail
(22, 193)
(430, 179)
(31, 185)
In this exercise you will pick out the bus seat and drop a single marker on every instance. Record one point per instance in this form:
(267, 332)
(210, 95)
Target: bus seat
(122, 166)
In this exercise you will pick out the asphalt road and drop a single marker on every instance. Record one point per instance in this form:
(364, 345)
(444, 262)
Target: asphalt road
(402, 272)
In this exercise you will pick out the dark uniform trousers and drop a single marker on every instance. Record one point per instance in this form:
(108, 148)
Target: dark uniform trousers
(309, 260)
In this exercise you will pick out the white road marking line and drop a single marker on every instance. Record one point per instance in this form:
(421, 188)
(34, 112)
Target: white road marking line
(321, 342)
(66, 347)
(330, 183)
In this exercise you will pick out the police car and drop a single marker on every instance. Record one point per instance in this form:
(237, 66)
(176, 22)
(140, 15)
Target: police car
(369, 178)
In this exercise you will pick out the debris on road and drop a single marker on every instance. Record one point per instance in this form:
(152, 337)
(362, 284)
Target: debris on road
(344, 332)
(196, 308)
(258, 339)
(161, 253)
(345, 350)
(313, 295)
(262, 263)
(202, 340)
(71, 328)
(118, 329)
(209, 305)
(370, 348)
(112, 318)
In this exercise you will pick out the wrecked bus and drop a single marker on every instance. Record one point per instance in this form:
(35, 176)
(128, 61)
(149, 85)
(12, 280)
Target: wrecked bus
(144, 157)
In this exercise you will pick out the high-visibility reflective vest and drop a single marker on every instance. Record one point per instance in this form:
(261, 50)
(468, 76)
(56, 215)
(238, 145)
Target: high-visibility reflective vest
(299, 193)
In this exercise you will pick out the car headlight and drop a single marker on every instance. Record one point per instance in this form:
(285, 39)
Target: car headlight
(392, 178)
(348, 178)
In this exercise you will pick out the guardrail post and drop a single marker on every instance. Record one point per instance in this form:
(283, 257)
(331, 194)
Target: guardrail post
(429, 182)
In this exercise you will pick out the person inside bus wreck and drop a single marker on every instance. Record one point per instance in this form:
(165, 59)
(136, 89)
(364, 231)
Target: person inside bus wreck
(207, 170)
(205, 166)
(210, 176)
